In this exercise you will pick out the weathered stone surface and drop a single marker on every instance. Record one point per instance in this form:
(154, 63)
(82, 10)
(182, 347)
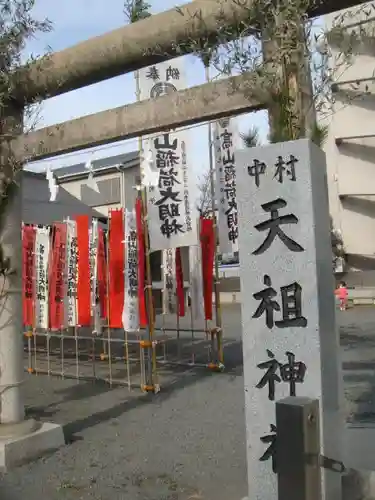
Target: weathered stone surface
(358, 485)
(296, 276)
(198, 104)
(22, 448)
(137, 45)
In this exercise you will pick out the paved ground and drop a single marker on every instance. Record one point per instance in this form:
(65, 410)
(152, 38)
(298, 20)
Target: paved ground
(358, 354)
(185, 443)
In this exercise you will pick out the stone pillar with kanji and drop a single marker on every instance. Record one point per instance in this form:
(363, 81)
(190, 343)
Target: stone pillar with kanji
(290, 341)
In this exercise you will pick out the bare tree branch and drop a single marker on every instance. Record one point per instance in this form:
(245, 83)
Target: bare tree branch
(17, 26)
(204, 205)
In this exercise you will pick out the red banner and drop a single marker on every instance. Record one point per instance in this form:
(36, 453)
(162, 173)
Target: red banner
(116, 265)
(56, 276)
(83, 278)
(207, 240)
(141, 264)
(28, 270)
(102, 274)
(180, 284)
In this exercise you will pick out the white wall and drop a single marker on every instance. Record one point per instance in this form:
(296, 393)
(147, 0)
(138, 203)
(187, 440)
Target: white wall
(74, 186)
(351, 165)
(128, 193)
(105, 209)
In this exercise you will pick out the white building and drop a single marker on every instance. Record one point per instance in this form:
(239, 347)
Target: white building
(350, 147)
(116, 177)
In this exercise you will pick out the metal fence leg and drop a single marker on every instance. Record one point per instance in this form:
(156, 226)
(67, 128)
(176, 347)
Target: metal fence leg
(298, 449)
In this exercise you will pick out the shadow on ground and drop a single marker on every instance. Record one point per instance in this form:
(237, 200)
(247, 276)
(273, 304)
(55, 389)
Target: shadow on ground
(181, 378)
(186, 443)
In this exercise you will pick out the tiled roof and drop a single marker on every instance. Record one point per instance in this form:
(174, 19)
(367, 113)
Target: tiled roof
(125, 159)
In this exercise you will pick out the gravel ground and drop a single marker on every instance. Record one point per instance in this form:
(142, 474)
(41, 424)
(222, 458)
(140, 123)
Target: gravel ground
(185, 443)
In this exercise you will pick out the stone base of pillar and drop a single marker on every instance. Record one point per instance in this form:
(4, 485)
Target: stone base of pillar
(27, 441)
(358, 485)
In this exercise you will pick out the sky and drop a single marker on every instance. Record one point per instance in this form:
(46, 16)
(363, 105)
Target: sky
(77, 20)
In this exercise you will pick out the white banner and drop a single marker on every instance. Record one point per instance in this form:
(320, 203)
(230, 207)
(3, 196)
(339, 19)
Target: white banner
(196, 283)
(162, 79)
(70, 301)
(42, 248)
(226, 141)
(164, 166)
(169, 281)
(155, 81)
(169, 209)
(130, 313)
(93, 242)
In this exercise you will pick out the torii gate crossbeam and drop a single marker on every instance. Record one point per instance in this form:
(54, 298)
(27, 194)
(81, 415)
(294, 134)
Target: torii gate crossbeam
(138, 45)
(206, 102)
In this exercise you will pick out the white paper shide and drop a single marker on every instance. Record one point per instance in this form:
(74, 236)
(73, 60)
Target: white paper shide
(226, 140)
(130, 314)
(70, 302)
(149, 172)
(42, 248)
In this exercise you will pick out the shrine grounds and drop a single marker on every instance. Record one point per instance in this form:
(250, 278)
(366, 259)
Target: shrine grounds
(188, 442)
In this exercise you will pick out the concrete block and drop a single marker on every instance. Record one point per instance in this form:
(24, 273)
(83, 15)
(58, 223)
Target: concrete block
(23, 448)
(358, 485)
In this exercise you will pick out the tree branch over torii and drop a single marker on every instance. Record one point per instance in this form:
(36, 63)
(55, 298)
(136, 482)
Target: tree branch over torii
(17, 26)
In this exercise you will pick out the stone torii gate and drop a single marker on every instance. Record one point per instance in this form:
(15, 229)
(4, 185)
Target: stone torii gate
(121, 51)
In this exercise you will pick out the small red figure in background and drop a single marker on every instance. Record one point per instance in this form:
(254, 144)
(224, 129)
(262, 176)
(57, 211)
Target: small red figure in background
(342, 294)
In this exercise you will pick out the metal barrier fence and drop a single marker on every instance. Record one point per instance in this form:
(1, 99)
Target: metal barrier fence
(120, 358)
